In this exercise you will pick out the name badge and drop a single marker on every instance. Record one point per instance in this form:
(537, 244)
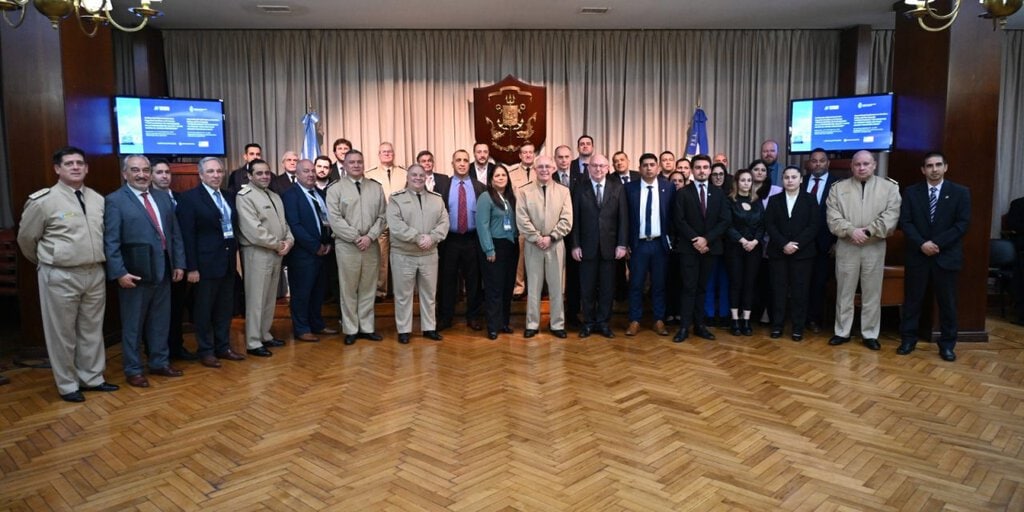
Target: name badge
(229, 232)
(507, 224)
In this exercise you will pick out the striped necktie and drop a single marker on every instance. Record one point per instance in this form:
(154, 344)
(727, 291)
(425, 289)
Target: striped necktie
(933, 201)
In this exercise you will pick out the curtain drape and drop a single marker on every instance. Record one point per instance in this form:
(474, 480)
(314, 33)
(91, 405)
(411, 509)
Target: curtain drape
(1010, 160)
(630, 90)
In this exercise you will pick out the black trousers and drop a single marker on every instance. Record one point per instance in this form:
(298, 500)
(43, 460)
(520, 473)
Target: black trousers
(695, 271)
(824, 271)
(214, 299)
(179, 294)
(461, 257)
(674, 283)
(499, 280)
(622, 279)
(572, 288)
(915, 284)
(743, 267)
(597, 290)
(763, 293)
(791, 278)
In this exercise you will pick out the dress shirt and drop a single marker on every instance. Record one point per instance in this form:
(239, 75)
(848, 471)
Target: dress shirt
(604, 189)
(453, 204)
(790, 201)
(821, 186)
(159, 219)
(227, 207)
(481, 174)
(650, 190)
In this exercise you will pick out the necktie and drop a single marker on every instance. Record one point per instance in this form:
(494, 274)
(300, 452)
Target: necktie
(174, 202)
(389, 175)
(703, 201)
(586, 168)
(152, 217)
(225, 217)
(600, 196)
(933, 201)
(78, 194)
(321, 216)
(359, 188)
(650, 209)
(527, 173)
(544, 192)
(419, 197)
(463, 218)
(814, 189)
(625, 179)
(292, 178)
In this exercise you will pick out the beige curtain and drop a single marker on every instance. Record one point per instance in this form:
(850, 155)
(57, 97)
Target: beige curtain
(1010, 160)
(631, 90)
(881, 60)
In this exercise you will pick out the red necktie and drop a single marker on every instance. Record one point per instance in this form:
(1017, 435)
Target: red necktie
(814, 189)
(152, 217)
(703, 202)
(463, 220)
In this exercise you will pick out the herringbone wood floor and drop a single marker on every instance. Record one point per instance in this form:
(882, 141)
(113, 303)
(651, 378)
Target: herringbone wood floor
(538, 425)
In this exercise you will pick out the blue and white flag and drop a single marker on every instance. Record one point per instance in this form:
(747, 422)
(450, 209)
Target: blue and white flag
(310, 147)
(697, 142)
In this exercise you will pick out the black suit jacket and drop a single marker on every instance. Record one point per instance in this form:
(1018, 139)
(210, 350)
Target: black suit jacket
(783, 228)
(237, 178)
(442, 182)
(1015, 222)
(633, 176)
(281, 183)
(472, 172)
(952, 216)
(598, 230)
(444, 186)
(825, 239)
(690, 223)
(303, 222)
(206, 249)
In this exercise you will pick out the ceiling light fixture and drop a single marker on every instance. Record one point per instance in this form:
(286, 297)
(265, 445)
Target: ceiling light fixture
(997, 10)
(90, 14)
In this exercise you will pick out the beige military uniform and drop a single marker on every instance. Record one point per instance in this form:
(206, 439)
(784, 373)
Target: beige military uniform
(261, 229)
(544, 211)
(519, 176)
(410, 215)
(390, 183)
(354, 214)
(66, 245)
(875, 205)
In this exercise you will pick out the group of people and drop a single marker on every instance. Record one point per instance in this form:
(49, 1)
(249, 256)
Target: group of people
(586, 227)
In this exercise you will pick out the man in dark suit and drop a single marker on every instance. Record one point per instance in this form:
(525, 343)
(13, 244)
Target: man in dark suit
(701, 217)
(934, 217)
(564, 175)
(434, 181)
(585, 148)
(144, 253)
(340, 148)
(179, 290)
(305, 209)
(208, 220)
(621, 172)
(1015, 224)
(482, 163)
(285, 180)
(597, 240)
(650, 202)
(818, 183)
(461, 247)
(240, 176)
(620, 164)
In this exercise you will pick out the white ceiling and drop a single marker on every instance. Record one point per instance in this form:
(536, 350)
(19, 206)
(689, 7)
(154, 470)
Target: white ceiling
(533, 14)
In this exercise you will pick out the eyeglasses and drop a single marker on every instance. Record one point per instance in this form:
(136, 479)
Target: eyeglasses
(718, 174)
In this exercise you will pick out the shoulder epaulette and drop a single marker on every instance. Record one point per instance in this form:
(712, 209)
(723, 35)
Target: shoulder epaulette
(245, 190)
(894, 182)
(524, 185)
(38, 193)
(398, 192)
(434, 193)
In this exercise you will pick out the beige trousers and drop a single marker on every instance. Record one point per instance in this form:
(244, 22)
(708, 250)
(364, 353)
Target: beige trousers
(72, 301)
(545, 266)
(864, 265)
(357, 283)
(262, 275)
(411, 272)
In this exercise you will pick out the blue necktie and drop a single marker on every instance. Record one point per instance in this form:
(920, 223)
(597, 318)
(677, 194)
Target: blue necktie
(225, 217)
(933, 201)
(650, 209)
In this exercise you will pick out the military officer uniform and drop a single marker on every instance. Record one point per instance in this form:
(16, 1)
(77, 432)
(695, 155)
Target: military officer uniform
(544, 210)
(261, 229)
(409, 215)
(61, 233)
(391, 179)
(356, 208)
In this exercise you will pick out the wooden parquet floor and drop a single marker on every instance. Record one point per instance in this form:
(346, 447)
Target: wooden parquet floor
(534, 425)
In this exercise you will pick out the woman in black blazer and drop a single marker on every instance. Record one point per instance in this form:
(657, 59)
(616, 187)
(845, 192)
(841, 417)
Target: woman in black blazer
(743, 250)
(791, 220)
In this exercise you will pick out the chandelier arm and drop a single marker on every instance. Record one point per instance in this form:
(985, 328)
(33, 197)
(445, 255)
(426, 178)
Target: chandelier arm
(944, 26)
(115, 24)
(951, 15)
(21, 18)
(81, 25)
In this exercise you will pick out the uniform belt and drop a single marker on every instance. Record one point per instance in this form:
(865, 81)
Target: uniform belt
(651, 239)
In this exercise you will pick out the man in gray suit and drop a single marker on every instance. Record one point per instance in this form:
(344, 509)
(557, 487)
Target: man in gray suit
(144, 253)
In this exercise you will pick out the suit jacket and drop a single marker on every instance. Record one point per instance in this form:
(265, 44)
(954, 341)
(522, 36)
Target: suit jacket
(1015, 222)
(443, 187)
(601, 228)
(825, 239)
(952, 216)
(305, 226)
(206, 249)
(237, 178)
(472, 172)
(126, 222)
(353, 214)
(690, 223)
(573, 179)
(634, 198)
(633, 176)
(441, 181)
(800, 227)
(537, 217)
(576, 170)
(281, 182)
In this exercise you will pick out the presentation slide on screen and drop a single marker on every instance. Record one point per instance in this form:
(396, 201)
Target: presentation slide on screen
(841, 124)
(169, 126)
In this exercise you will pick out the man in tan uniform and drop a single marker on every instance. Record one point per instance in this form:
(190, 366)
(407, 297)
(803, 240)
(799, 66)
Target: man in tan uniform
(392, 178)
(861, 211)
(62, 233)
(418, 221)
(356, 207)
(520, 175)
(265, 239)
(544, 217)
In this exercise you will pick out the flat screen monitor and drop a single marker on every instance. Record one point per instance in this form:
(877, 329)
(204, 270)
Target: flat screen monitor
(169, 126)
(849, 123)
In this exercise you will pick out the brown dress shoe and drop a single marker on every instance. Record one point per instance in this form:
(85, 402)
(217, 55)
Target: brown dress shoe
(138, 381)
(633, 329)
(230, 355)
(167, 371)
(209, 362)
(327, 331)
(307, 337)
(659, 328)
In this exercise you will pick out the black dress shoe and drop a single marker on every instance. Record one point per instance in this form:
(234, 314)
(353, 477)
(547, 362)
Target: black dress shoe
(947, 354)
(350, 339)
(105, 387)
(184, 355)
(529, 333)
(872, 343)
(906, 348)
(372, 336)
(444, 324)
(745, 328)
(259, 352)
(506, 330)
(776, 333)
(797, 336)
(559, 333)
(492, 335)
(403, 338)
(703, 332)
(473, 324)
(607, 332)
(584, 332)
(433, 335)
(273, 343)
(838, 340)
(681, 335)
(813, 326)
(74, 396)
